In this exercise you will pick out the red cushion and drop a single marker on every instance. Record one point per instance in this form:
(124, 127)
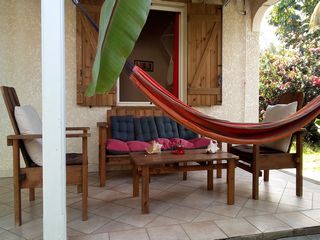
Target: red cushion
(138, 146)
(200, 142)
(166, 143)
(185, 143)
(115, 146)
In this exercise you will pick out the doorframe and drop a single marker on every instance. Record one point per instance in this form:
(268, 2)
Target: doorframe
(182, 9)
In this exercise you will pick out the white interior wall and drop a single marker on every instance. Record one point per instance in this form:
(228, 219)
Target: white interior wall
(20, 67)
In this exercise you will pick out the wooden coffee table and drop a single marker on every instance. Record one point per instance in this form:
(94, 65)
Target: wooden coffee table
(167, 162)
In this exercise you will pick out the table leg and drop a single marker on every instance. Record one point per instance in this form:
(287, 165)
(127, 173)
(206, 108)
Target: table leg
(145, 190)
(135, 181)
(185, 173)
(210, 176)
(230, 181)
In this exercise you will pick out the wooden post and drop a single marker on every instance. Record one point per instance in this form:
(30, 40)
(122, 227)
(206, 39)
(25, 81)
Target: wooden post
(145, 190)
(16, 182)
(53, 116)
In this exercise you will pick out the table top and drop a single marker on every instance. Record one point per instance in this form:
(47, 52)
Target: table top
(167, 157)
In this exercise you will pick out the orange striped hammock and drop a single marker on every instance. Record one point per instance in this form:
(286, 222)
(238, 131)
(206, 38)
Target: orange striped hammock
(221, 130)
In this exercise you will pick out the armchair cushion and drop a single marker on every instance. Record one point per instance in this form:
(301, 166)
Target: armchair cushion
(29, 122)
(276, 113)
(246, 151)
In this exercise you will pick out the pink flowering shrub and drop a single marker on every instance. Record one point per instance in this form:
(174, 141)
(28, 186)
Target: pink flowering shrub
(290, 71)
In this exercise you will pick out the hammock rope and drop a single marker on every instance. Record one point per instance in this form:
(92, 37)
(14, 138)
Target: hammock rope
(241, 133)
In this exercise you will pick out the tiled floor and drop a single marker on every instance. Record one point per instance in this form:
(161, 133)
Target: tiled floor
(179, 210)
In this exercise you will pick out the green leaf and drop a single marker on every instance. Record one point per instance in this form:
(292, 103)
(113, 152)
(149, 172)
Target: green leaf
(121, 22)
(317, 123)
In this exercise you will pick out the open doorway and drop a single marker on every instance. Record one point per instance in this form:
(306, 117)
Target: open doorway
(157, 52)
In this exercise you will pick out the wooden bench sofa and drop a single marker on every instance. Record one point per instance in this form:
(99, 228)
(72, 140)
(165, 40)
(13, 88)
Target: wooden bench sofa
(120, 161)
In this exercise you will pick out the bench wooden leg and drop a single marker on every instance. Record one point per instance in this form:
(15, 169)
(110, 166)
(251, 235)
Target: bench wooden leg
(210, 177)
(32, 194)
(230, 181)
(79, 188)
(102, 157)
(145, 190)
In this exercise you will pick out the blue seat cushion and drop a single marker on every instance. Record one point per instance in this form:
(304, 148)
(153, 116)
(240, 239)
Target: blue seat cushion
(185, 133)
(145, 129)
(122, 128)
(167, 128)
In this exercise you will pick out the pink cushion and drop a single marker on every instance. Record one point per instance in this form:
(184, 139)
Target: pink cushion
(185, 143)
(166, 143)
(137, 146)
(200, 142)
(115, 146)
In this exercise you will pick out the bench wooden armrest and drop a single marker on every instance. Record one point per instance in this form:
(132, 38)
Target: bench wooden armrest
(102, 124)
(77, 128)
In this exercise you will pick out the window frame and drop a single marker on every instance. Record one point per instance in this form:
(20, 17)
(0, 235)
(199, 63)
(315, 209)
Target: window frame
(182, 9)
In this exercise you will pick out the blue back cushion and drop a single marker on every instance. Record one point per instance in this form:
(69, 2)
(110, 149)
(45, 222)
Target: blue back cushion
(186, 133)
(167, 128)
(145, 129)
(122, 128)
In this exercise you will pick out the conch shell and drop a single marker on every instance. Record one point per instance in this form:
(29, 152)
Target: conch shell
(212, 147)
(154, 147)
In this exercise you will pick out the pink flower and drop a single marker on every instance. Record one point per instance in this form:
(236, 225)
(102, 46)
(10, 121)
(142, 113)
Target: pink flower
(314, 50)
(315, 81)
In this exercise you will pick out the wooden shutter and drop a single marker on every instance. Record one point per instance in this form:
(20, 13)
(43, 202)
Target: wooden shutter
(87, 38)
(204, 54)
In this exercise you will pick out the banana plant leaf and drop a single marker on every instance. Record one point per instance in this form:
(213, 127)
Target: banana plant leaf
(315, 18)
(121, 22)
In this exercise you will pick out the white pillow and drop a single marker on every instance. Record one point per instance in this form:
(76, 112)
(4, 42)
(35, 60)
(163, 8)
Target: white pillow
(29, 122)
(276, 113)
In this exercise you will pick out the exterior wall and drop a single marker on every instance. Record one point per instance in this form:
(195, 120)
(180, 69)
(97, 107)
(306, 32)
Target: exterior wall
(240, 70)
(20, 47)
(20, 66)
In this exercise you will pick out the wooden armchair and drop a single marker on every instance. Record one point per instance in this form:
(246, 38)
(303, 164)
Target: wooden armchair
(256, 158)
(31, 175)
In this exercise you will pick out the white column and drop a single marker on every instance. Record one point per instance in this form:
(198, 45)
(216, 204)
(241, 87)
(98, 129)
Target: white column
(53, 115)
